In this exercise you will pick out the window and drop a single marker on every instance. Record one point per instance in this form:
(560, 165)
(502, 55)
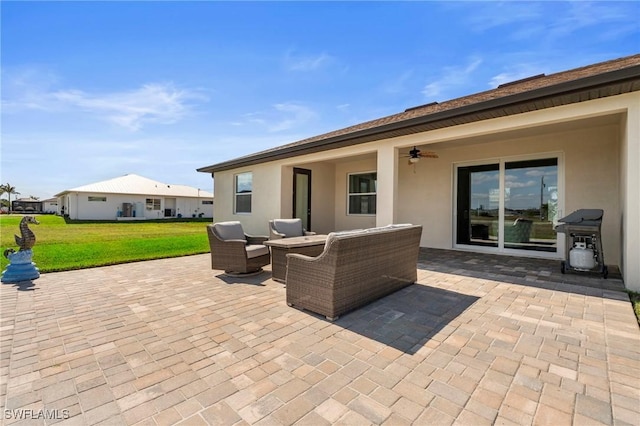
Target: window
(103, 199)
(243, 191)
(153, 203)
(362, 193)
(210, 202)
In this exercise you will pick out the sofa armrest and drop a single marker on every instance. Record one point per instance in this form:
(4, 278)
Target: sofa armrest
(305, 270)
(310, 283)
(300, 256)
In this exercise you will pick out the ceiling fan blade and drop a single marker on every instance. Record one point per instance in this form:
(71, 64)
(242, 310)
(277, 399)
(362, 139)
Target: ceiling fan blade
(429, 154)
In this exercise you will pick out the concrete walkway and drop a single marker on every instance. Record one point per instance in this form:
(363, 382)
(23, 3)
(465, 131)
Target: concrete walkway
(479, 340)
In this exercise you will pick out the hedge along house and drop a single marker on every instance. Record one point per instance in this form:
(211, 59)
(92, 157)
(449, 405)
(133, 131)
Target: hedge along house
(133, 197)
(510, 162)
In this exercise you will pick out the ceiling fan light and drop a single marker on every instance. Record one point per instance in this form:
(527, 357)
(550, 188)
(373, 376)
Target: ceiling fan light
(414, 159)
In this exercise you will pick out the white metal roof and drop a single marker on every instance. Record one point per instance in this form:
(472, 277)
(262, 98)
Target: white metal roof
(134, 184)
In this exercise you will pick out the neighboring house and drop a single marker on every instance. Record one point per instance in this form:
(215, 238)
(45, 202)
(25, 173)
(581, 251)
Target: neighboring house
(133, 197)
(50, 205)
(26, 205)
(511, 162)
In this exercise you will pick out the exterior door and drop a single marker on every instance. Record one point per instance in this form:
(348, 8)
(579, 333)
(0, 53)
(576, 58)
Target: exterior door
(302, 196)
(509, 205)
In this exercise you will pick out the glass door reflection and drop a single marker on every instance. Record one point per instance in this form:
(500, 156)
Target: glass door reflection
(478, 205)
(508, 205)
(531, 204)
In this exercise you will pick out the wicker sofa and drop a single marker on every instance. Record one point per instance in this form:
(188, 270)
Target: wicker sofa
(355, 268)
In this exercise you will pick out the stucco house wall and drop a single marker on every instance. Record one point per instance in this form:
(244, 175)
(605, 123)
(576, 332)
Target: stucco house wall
(105, 200)
(588, 156)
(78, 207)
(595, 137)
(589, 159)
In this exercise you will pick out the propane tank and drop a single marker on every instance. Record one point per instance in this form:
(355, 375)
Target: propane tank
(581, 257)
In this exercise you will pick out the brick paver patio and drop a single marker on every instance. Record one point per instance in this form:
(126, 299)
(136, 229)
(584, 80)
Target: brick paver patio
(479, 340)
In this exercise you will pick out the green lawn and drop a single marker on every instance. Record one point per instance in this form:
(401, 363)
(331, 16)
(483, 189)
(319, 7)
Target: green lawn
(62, 246)
(635, 301)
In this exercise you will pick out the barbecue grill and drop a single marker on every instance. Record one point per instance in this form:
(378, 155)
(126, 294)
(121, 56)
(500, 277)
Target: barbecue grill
(583, 248)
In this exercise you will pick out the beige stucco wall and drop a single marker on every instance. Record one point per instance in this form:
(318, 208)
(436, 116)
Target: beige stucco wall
(591, 163)
(589, 158)
(630, 195)
(322, 199)
(265, 199)
(598, 161)
(273, 196)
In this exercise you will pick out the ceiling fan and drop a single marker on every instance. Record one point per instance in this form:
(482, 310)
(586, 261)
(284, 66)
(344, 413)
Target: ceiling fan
(415, 155)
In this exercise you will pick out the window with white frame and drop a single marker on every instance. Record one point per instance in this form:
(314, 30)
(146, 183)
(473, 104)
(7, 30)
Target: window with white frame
(243, 188)
(153, 203)
(93, 198)
(362, 193)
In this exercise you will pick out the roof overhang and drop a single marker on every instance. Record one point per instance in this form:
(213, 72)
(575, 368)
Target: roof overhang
(584, 89)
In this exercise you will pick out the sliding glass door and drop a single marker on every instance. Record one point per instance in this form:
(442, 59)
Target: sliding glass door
(510, 205)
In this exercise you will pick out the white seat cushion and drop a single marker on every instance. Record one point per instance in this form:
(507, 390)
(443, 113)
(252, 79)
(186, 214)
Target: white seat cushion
(288, 227)
(230, 230)
(256, 250)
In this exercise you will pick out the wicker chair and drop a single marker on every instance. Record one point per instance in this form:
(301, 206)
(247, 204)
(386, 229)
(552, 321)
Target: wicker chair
(354, 269)
(519, 232)
(234, 251)
(287, 228)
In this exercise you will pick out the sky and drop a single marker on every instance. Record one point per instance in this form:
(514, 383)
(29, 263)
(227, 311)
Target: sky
(95, 90)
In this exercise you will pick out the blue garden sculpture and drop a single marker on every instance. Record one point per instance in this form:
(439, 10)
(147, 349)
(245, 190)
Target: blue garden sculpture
(20, 267)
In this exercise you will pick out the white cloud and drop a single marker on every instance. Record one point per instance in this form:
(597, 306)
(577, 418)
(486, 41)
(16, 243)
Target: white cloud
(555, 20)
(152, 103)
(280, 117)
(489, 15)
(514, 73)
(452, 77)
(528, 184)
(294, 115)
(306, 63)
(132, 109)
(399, 84)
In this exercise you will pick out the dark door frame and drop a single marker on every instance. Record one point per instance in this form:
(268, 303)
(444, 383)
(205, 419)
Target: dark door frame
(295, 214)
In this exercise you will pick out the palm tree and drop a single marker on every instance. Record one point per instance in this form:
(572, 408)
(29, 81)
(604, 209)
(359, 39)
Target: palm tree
(8, 189)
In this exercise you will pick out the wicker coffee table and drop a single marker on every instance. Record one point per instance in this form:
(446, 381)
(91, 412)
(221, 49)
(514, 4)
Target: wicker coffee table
(311, 245)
